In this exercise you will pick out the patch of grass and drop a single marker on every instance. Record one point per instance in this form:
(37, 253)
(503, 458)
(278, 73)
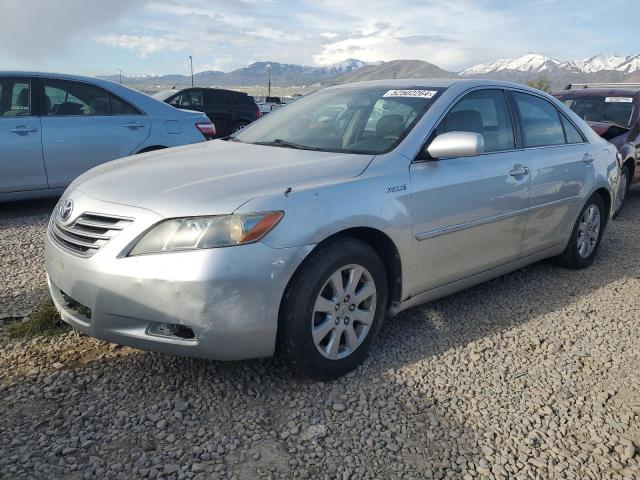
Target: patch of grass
(44, 320)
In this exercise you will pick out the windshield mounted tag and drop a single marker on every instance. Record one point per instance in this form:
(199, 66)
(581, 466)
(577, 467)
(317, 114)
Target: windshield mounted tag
(411, 93)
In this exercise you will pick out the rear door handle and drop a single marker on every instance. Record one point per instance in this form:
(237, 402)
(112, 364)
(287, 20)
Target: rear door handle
(588, 158)
(23, 129)
(134, 125)
(519, 170)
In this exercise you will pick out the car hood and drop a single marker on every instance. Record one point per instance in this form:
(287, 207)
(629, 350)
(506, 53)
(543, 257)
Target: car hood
(213, 177)
(608, 131)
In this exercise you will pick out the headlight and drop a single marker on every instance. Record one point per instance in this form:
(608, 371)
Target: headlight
(179, 234)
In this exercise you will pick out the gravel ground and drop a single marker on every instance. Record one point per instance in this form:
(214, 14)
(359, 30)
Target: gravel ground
(533, 375)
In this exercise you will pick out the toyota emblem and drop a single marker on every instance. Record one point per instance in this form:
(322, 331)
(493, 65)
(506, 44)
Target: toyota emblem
(64, 212)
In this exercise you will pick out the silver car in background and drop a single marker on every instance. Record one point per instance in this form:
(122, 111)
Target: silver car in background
(307, 228)
(56, 127)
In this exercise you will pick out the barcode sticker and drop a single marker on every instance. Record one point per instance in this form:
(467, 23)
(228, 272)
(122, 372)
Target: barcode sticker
(618, 100)
(411, 93)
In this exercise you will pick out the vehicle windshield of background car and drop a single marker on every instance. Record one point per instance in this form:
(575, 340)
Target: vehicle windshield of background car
(615, 109)
(367, 120)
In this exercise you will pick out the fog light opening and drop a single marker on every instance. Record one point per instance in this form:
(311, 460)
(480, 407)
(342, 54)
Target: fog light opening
(170, 330)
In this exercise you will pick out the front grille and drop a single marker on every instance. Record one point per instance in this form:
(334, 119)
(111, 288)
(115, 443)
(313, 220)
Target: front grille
(87, 233)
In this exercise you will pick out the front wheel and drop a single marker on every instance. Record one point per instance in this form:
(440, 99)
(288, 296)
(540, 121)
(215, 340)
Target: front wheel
(333, 309)
(586, 235)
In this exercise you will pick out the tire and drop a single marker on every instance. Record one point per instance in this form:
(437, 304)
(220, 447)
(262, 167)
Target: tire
(625, 186)
(582, 247)
(238, 126)
(311, 302)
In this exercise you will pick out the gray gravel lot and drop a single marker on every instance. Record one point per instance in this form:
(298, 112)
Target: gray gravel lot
(533, 375)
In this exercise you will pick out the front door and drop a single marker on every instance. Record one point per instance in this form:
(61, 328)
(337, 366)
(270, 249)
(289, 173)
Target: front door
(79, 130)
(21, 165)
(469, 214)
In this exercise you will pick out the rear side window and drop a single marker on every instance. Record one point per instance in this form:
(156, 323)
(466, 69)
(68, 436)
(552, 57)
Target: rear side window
(215, 98)
(571, 132)
(540, 121)
(64, 98)
(14, 97)
(120, 106)
(485, 112)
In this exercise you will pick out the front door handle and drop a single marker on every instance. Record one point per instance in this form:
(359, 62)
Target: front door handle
(519, 170)
(588, 158)
(23, 129)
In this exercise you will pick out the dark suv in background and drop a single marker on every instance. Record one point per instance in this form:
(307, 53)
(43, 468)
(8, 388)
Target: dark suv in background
(227, 109)
(613, 111)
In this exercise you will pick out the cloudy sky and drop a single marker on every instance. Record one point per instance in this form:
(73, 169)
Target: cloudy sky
(157, 36)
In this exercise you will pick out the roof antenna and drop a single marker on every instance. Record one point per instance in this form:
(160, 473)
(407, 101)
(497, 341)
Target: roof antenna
(287, 191)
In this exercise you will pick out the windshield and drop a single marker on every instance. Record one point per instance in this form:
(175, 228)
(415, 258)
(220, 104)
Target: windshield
(616, 109)
(164, 94)
(366, 120)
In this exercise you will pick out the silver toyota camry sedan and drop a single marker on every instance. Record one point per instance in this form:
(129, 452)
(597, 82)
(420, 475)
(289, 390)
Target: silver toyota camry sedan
(304, 231)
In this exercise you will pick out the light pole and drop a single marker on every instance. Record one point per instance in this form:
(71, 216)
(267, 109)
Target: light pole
(268, 67)
(191, 61)
(120, 70)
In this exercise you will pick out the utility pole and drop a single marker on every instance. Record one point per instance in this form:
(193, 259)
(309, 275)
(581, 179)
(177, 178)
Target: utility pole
(120, 70)
(269, 84)
(191, 61)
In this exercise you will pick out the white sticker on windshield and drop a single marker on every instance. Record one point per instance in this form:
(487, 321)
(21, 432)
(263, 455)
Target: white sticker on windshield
(411, 93)
(618, 100)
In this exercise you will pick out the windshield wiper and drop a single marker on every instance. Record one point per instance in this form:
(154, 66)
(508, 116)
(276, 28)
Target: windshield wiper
(278, 142)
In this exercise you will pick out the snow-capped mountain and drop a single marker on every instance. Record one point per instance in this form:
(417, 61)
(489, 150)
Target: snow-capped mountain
(528, 63)
(349, 65)
(535, 63)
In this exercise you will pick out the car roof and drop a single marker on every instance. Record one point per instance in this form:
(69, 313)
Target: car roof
(622, 92)
(436, 83)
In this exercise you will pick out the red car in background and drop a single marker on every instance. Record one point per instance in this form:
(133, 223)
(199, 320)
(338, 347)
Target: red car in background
(613, 111)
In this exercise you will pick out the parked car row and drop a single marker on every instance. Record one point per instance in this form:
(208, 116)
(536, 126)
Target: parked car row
(613, 111)
(55, 127)
(303, 231)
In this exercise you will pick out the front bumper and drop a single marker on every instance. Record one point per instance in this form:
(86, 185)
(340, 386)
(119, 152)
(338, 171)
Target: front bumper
(228, 297)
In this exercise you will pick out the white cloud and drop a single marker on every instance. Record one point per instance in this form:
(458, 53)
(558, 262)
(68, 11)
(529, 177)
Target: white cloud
(144, 45)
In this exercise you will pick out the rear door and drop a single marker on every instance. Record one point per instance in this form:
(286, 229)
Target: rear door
(561, 163)
(21, 164)
(79, 130)
(219, 110)
(470, 213)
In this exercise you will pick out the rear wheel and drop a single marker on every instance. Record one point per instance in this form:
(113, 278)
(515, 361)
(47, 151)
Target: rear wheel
(333, 309)
(625, 184)
(238, 126)
(586, 235)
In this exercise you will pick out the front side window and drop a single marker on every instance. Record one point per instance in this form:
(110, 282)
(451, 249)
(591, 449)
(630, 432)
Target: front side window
(14, 98)
(540, 121)
(366, 120)
(485, 112)
(64, 98)
(189, 98)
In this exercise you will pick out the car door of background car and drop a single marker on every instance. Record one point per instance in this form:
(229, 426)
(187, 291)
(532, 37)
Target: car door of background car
(561, 162)
(21, 165)
(83, 126)
(219, 109)
(469, 214)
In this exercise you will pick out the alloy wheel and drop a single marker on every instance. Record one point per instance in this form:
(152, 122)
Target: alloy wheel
(588, 230)
(343, 312)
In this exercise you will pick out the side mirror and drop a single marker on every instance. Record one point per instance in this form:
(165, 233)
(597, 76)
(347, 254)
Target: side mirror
(456, 144)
